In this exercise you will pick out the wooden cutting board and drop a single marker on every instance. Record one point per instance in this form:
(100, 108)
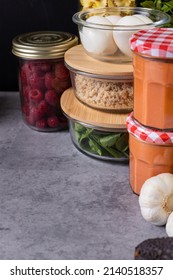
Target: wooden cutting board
(77, 59)
(77, 111)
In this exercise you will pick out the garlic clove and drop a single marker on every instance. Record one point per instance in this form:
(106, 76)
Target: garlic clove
(169, 225)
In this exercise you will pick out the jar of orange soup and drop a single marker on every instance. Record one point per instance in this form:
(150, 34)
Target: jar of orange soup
(153, 77)
(151, 153)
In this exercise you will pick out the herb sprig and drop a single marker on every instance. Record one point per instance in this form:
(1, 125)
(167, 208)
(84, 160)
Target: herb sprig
(165, 6)
(104, 144)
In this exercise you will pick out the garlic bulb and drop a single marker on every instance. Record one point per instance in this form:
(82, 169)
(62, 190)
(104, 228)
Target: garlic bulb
(156, 198)
(169, 225)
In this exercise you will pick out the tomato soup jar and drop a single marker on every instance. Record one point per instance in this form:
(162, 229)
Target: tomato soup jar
(151, 153)
(153, 77)
(43, 77)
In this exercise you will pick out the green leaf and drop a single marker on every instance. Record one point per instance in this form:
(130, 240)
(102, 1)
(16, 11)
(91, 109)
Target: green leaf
(95, 147)
(79, 128)
(122, 142)
(167, 6)
(148, 4)
(109, 140)
(77, 136)
(158, 4)
(85, 134)
(114, 152)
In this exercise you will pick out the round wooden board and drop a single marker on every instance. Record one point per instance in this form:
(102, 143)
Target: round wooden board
(77, 111)
(77, 59)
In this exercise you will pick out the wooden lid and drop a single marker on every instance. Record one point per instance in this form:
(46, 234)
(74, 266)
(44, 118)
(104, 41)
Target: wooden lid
(77, 111)
(77, 59)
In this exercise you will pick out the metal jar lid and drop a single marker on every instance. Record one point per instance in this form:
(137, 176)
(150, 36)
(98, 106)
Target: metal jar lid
(43, 44)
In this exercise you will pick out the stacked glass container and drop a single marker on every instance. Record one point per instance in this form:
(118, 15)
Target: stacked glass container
(98, 104)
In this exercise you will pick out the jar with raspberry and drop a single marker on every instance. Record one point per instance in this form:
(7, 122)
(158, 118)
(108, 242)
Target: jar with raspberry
(43, 77)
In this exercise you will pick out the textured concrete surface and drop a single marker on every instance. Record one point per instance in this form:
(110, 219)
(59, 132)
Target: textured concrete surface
(57, 203)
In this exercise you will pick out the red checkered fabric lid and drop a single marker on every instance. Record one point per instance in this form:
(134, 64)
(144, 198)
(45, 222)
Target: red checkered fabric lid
(146, 134)
(156, 42)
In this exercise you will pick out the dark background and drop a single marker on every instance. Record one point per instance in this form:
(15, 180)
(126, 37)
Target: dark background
(21, 16)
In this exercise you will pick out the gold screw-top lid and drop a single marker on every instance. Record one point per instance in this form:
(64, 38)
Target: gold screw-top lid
(43, 44)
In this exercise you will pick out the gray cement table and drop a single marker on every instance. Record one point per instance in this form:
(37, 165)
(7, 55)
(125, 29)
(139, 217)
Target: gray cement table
(57, 203)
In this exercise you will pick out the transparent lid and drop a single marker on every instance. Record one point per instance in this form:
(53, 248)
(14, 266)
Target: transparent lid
(43, 44)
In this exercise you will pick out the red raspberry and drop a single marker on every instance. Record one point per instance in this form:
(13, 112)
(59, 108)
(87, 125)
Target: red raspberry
(48, 80)
(63, 121)
(26, 109)
(61, 86)
(51, 111)
(53, 122)
(40, 68)
(25, 93)
(35, 96)
(35, 114)
(61, 72)
(44, 108)
(51, 97)
(36, 81)
(25, 73)
(41, 123)
(30, 120)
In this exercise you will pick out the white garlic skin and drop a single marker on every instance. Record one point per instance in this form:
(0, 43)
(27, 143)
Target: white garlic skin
(122, 37)
(169, 225)
(96, 40)
(154, 193)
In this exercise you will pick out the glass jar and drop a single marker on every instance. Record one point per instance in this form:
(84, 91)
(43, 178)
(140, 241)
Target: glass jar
(98, 134)
(100, 143)
(100, 85)
(153, 77)
(43, 77)
(151, 153)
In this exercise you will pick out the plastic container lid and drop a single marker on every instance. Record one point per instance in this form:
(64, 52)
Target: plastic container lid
(156, 42)
(146, 134)
(43, 44)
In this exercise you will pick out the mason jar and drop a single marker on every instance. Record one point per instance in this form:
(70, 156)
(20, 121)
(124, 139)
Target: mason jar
(43, 77)
(153, 77)
(151, 153)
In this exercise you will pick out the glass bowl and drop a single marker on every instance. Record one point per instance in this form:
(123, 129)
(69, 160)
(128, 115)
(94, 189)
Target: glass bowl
(104, 32)
(103, 92)
(100, 143)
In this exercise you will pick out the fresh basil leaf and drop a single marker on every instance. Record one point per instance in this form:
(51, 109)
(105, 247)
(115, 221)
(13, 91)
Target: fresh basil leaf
(95, 147)
(85, 135)
(77, 135)
(122, 142)
(148, 4)
(109, 140)
(79, 128)
(114, 153)
(167, 6)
